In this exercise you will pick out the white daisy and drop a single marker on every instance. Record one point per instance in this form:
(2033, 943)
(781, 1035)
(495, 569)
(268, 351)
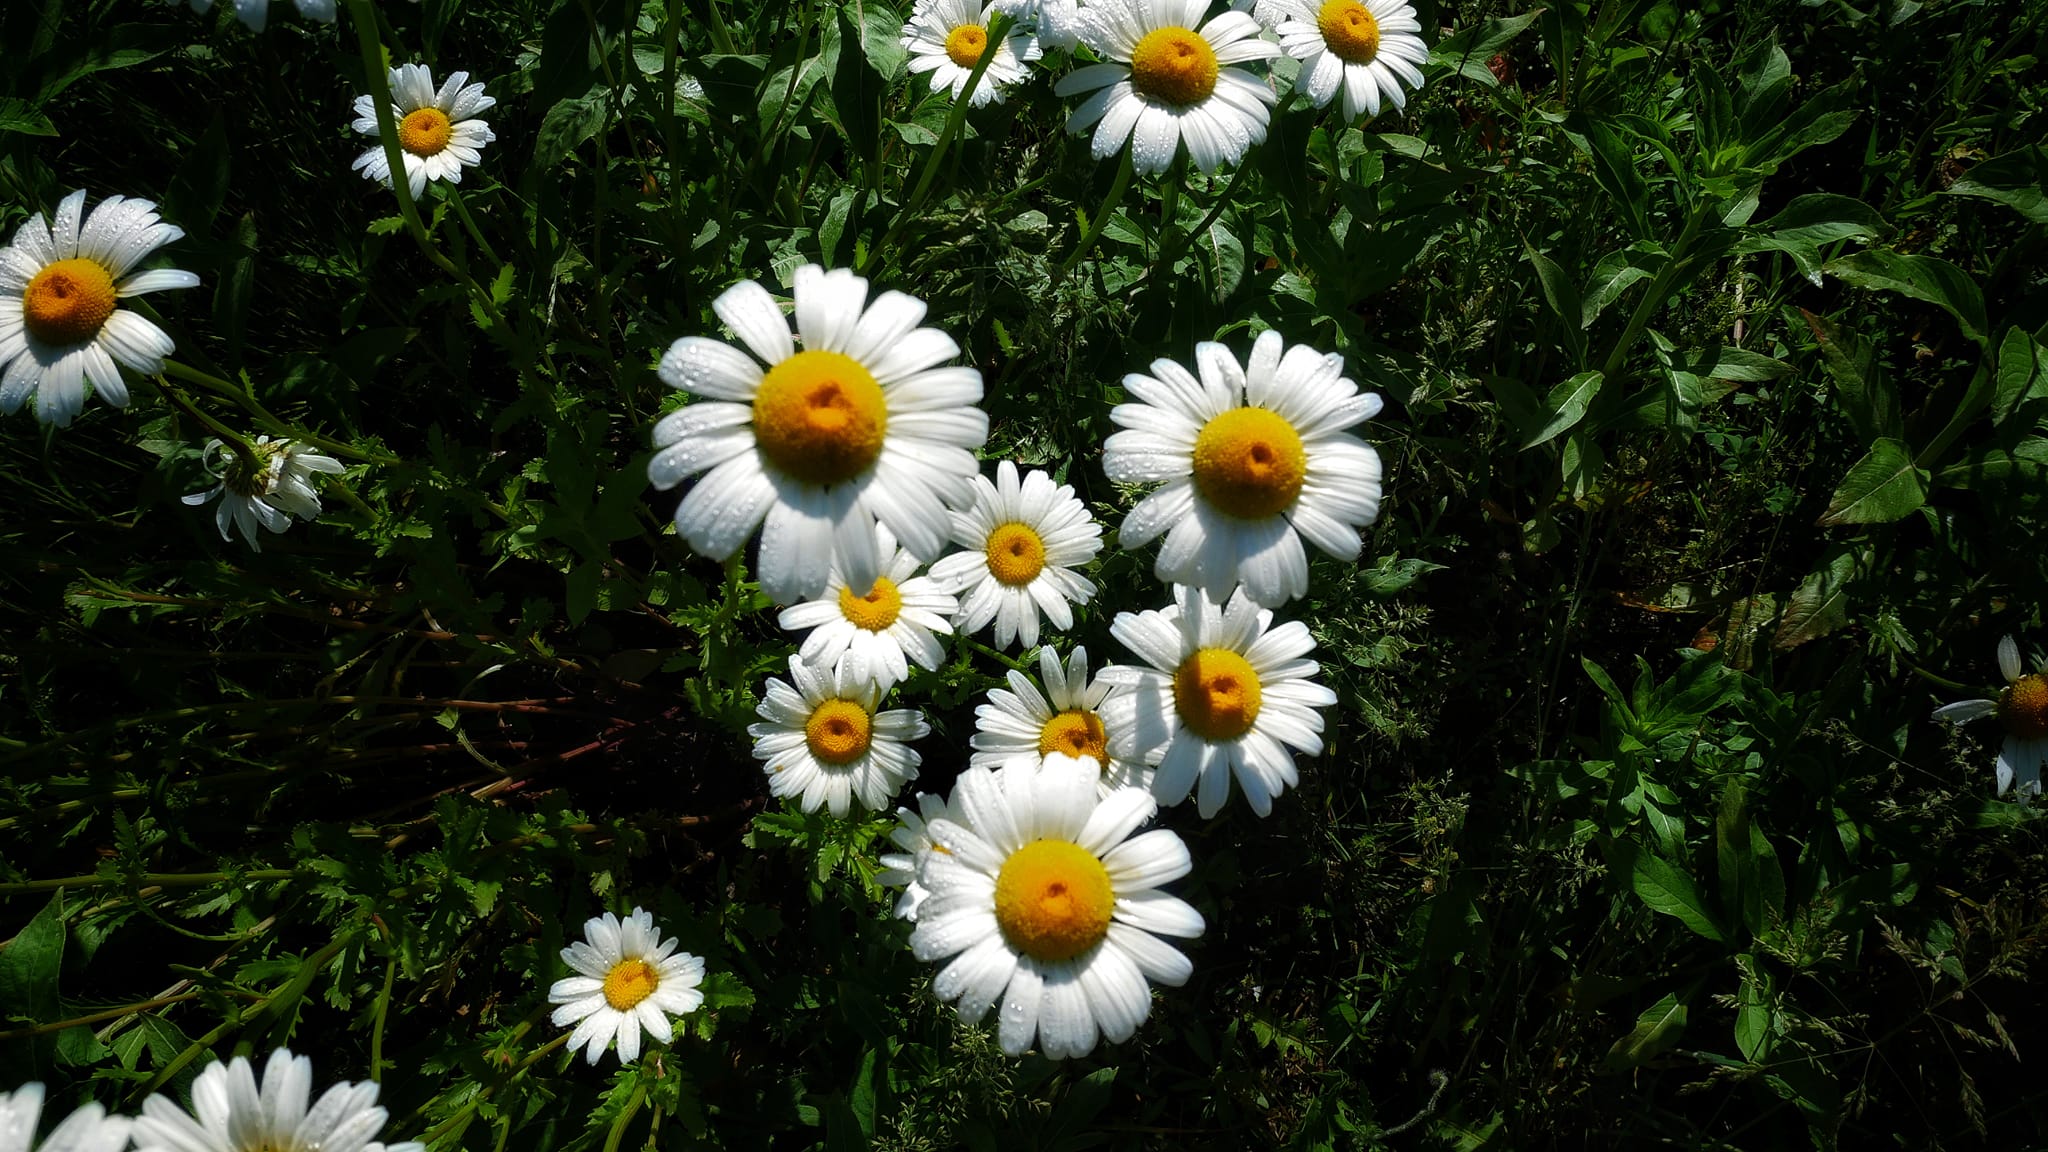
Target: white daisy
(1021, 723)
(877, 632)
(1251, 456)
(627, 978)
(230, 1114)
(438, 132)
(825, 744)
(1363, 48)
(1055, 23)
(1048, 904)
(89, 1129)
(280, 487)
(913, 835)
(1022, 541)
(2023, 706)
(1167, 83)
(1268, 13)
(863, 424)
(256, 13)
(1227, 694)
(947, 38)
(59, 284)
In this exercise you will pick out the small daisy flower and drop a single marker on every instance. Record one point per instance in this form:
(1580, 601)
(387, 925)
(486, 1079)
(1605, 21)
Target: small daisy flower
(863, 424)
(1254, 457)
(877, 632)
(280, 487)
(1021, 723)
(60, 282)
(89, 1129)
(912, 834)
(825, 744)
(1362, 49)
(1046, 903)
(627, 978)
(2023, 706)
(256, 13)
(1167, 83)
(1268, 13)
(1023, 541)
(1227, 694)
(438, 132)
(1055, 24)
(231, 1114)
(947, 38)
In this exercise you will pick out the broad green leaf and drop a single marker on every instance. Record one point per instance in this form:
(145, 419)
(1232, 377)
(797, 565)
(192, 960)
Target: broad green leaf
(1882, 487)
(1567, 406)
(18, 115)
(1614, 168)
(567, 125)
(1861, 385)
(1657, 1030)
(1563, 298)
(2022, 374)
(1613, 275)
(30, 964)
(2015, 180)
(1821, 602)
(1468, 50)
(1926, 278)
(1666, 888)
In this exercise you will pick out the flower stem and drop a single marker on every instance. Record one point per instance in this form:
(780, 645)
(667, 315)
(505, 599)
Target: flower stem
(469, 225)
(244, 450)
(1101, 217)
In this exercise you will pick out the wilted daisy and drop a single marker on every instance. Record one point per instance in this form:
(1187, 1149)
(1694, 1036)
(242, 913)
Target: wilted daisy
(2023, 707)
(862, 424)
(1227, 694)
(1054, 23)
(1168, 83)
(1251, 455)
(947, 38)
(1022, 541)
(1020, 723)
(876, 632)
(279, 487)
(627, 978)
(438, 132)
(826, 744)
(1049, 906)
(912, 834)
(59, 283)
(1363, 49)
(89, 1129)
(231, 1114)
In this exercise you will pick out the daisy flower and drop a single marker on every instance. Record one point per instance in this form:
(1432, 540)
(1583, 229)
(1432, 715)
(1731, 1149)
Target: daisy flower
(256, 13)
(1227, 694)
(627, 978)
(1362, 49)
(2023, 706)
(279, 488)
(231, 1114)
(1045, 902)
(876, 632)
(862, 424)
(1022, 540)
(1054, 23)
(1253, 458)
(825, 744)
(912, 834)
(1021, 723)
(1166, 83)
(947, 38)
(438, 132)
(59, 284)
(89, 1129)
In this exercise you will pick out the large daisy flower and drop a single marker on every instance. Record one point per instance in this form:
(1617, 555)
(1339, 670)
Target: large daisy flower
(89, 1129)
(1023, 540)
(1251, 455)
(279, 488)
(1227, 694)
(947, 38)
(438, 132)
(912, 836)
(1363, 49)
(1022, 724)
(878, 631)
(1166, 83)
(2023, 707)
(862, 424)
(825, 744)
(231, 1114)
(627, 978)
(1047, 904)
(59, 284)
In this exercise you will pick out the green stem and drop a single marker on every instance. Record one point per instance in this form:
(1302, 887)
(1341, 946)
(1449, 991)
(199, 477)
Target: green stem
(146, 880)
(1647, 307)
(1171, 253)
(626, 1114)
(244, 450)
(96, 1017)
(269, 421)
(1101, 217)
(377, 1027)
(469, 225)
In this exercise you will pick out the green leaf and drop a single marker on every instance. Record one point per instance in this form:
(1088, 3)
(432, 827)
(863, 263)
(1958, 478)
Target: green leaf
(1613, 275)
(2022, 374)
(1861, 386)
(1882, 487)
(1467, 50)
(1657, 1030)
(18, 115)
(567, 125)
(1821, 602)
(1937, 282)
(1667, 889)
(30, 964)
(1567, 406)
(1614, 168)
(1809, 222)
(2015, 180)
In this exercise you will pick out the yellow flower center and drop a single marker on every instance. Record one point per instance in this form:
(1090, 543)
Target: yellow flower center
(68, 301)
(1249, 463)
(1016, 554)
(1076, 732)
(1217, 694)
(1053, 900)
(425, 132)
(965, 44)
(1349, 30)
(874, 611)
(628, 983)
(1175, 65)
(2024, 707)
(820, 416)
(838, 731)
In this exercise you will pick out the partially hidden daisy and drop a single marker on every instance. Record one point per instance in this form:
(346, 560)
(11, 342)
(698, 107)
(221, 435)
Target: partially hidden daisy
(268, 495)
(88, 1129)
(2023, 707)
(1165, 82)
(912, 837)
(60, 284)
(862, 424)
(627, 979)
(1365, 49)
(947, 38)
(1253, 457)
(877, 632)
(1046, 904)
(1055, 24)
(438, 132)
(256, 13)
(824, 742)
(1226, 694)
(230, 1113)
(1022, 541)
(1022, 724)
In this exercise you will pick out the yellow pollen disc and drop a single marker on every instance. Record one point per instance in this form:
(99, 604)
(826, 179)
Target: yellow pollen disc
(874, 611)
(1217, 694)
(2024, 707)
(1350, 30)
(1016, 554)
(425, 132)
(965, 44)
(1076, 733)
(838, 731)
(68, 301)
(628, 983)
(1174, 65)
(820, 416)
(1053, 900)
(1249, 463)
